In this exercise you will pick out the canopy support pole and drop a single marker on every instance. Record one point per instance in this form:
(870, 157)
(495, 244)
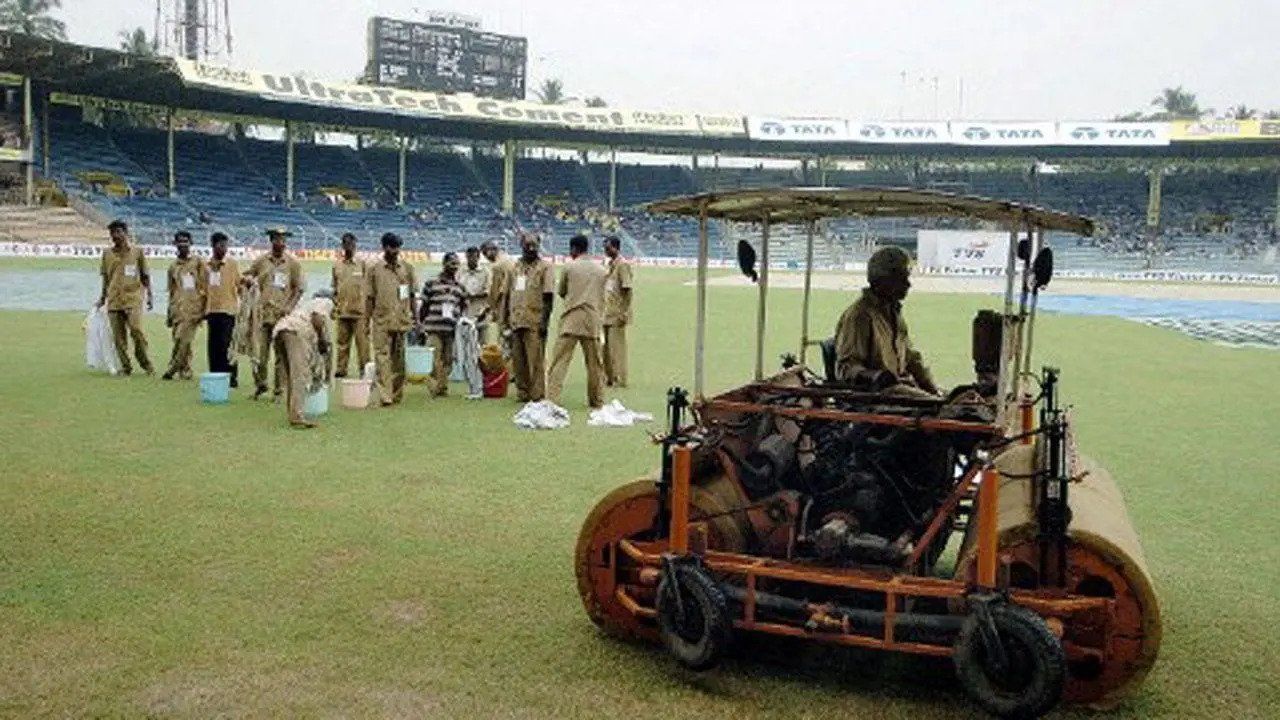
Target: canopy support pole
(1008, 364)
(761, 309)
(1275, 223)
(27, 122)
(288, 163)
(44, 136)
(700, 328)
(509, 177)
(613, 179)
(172, 183)
(808, 285)
(404, 161)
(1155, 191)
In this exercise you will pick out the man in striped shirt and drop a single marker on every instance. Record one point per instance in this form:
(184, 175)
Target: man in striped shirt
(444, 300)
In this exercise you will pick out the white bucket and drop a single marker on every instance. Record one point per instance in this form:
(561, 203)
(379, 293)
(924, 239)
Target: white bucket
(355, 394)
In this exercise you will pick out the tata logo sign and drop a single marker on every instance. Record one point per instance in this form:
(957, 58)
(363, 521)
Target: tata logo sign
(798, 129)
(1089, 133)
(979, 133)
(976, 133)
(902, 133)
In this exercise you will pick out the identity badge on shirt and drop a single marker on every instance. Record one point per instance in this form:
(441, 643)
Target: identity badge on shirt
(447, 311)
(131, 271)
(611, 286)
(404, 292)
(279, 280)
(215, 279)
(520, 282)
(188, 281)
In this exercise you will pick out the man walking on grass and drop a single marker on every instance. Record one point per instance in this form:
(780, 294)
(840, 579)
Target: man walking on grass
(389, 305)
(349, 307)
(222, 304)
(581, 291)
(186, 305)
(280, 285)
(444, 301)
(124, 281)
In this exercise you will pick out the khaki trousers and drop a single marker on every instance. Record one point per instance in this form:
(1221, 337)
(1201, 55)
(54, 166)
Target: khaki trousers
(527, 365)
(443, 344)
(292, 353)
(388, 356)
(184, 331)
(615, 355)
(123, 324)
(264, 343)
(347, 329)
(562, 354)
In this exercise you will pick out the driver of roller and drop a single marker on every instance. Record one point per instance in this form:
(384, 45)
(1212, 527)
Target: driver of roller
(873, 348)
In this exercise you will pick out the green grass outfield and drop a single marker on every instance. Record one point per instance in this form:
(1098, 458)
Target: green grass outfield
(161, 558)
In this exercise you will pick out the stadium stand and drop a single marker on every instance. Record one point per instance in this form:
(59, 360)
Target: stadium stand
(1212, 220)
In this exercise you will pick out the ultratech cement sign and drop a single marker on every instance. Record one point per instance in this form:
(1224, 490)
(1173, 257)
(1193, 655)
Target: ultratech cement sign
(290, 88)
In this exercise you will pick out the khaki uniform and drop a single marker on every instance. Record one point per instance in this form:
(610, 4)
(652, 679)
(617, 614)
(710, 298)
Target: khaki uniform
(280, 284)
(390, 290)
(872, 335)
(499, 281)
(222, 303)
(349, 307)
(523, 290)
(186, 310)
(617, 316)
(297, 338)
(582, 289)
(123, 272)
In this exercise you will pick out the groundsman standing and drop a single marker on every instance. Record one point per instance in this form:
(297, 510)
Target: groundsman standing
(581, 291)
(349, 307)
(124, 279)
(617, 314)
(389, 306)
(186, 304)
(280, 284)
(527, 312)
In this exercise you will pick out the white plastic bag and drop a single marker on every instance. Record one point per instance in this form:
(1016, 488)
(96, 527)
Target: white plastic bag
(99, 346)
(615, 415)
(541, 415)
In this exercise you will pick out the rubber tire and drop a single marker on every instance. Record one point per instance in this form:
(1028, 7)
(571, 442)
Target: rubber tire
(716, 628)
(1028, 641)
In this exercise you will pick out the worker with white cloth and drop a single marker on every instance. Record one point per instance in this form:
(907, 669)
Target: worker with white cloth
(301, 341)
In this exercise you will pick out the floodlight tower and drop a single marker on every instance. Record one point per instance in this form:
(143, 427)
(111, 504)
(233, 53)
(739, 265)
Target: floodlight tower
(194, 29)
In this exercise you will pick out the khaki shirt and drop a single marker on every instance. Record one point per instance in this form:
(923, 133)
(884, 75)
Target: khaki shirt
(187, 289)
(348, 287)
(872, 335)
(123, 271)
(280, 284)
(391, 289)
(500, 277)
(303, 320)
(476, 283)
(617, 304)
(582, 288)
(526, 283)
(222, 287)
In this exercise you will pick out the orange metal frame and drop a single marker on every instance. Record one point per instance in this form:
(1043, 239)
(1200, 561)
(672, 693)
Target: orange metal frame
(894, 586)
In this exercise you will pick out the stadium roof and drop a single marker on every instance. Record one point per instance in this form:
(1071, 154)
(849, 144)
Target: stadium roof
(111, 74)
(802, 204)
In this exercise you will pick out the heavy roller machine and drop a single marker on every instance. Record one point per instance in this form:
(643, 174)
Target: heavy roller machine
(798, 506)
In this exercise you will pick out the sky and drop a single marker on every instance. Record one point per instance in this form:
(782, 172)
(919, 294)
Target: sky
(1014, 59)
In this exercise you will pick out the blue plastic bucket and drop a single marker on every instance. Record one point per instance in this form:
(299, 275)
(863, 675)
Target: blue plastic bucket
(215, 388)
(418, 361)
(316, 403)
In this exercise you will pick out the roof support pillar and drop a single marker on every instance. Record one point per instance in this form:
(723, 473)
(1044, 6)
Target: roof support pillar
(1155, 187)
(509, 177)
(288, 162)
(173, 175)
(822, 171)
(1275, 223)
(700, 321)
(44, 136)
(763, 302)
(808, 286)
(404, 160)
(613, 179)
(27, 133)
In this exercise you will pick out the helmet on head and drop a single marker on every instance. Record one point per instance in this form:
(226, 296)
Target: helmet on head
(889, 261)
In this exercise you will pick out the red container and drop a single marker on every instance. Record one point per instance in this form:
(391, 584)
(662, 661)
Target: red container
(495, 384)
